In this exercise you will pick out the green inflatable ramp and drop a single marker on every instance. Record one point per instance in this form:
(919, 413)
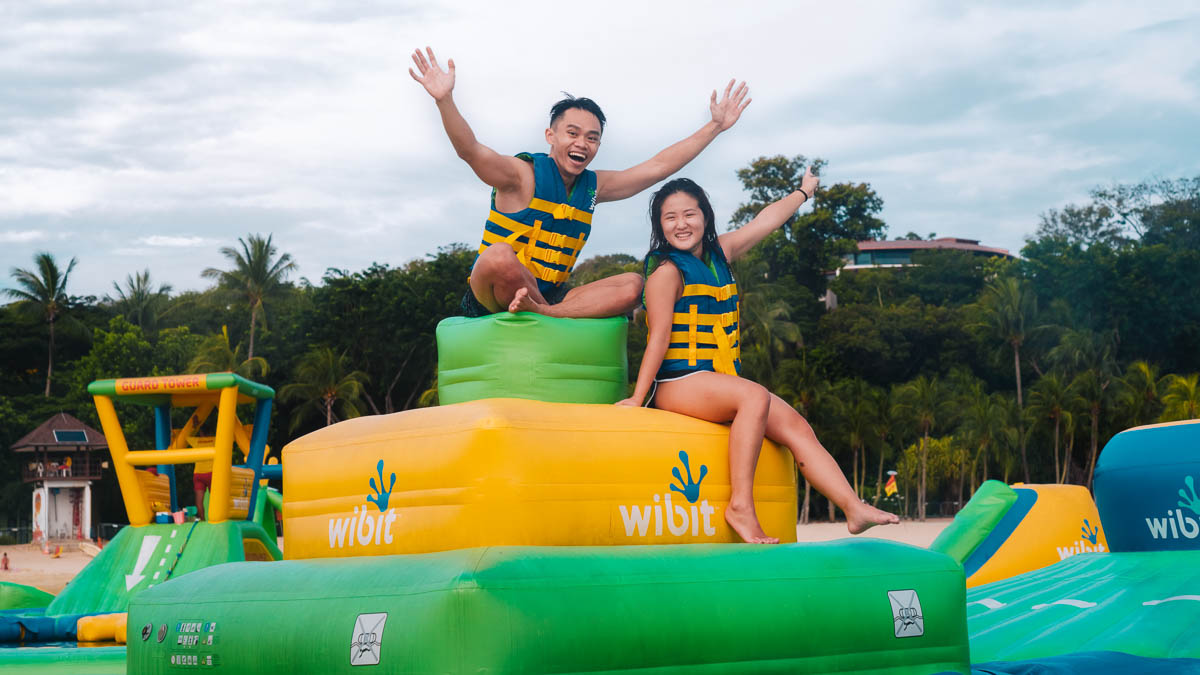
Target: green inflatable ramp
(143, 557)
(531, 356)
(1145, 604)
(862, 606)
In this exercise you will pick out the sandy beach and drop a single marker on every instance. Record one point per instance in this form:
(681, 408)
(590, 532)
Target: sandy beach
(908, 531)
(29, 566)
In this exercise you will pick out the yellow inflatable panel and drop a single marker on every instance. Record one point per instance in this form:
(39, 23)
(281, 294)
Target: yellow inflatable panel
(102, 628)
(240, 482)
(1046, 524)
(157, 490)
(519, 472)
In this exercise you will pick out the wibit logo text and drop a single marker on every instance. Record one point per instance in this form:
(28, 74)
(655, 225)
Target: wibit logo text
(678, 518)
(1089, 544)
(364, 527)
(1177, 525)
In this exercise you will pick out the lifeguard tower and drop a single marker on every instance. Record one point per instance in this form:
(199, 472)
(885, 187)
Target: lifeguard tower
(62, 458)
(234, 490)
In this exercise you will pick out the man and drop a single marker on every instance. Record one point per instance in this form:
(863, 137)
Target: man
(542, 203)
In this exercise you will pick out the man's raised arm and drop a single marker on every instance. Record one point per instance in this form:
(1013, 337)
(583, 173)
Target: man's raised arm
(612, 186)
(501, 172)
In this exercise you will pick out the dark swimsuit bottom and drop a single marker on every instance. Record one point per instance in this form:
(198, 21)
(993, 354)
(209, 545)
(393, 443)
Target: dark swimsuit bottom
(471, 307)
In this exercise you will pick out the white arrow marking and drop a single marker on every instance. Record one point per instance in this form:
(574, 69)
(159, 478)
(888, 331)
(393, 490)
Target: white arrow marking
(1081, 604)
(148, 545)
(988, 602)
(1174, 597)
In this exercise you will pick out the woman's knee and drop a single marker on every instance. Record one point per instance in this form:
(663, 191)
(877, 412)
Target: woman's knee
(755, 400)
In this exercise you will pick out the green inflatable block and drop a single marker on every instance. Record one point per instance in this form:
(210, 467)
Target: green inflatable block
(857, 606)
(20, 596)
(531, 356)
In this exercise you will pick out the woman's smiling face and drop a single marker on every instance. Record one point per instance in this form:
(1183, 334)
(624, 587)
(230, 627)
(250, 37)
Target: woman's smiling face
(683, 223)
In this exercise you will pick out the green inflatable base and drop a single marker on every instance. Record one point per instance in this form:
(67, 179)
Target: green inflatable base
(531, 356)
(862, 606)
(1144, 604)
(59, 660)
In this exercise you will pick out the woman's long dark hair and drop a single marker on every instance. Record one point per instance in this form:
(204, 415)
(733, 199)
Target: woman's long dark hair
(659, 246)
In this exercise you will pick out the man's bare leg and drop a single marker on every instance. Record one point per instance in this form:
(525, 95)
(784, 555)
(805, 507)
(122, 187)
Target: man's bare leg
(497, 277)
(611, 296)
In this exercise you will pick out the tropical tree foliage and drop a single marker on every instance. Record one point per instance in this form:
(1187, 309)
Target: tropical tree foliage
(325, 383)
(951, 371)
(255, 277)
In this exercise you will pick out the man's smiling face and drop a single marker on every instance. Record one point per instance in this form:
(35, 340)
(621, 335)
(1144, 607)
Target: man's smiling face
(574, 139)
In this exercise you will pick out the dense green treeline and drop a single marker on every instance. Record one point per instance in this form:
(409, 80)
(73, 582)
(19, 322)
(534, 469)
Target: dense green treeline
(950, 371)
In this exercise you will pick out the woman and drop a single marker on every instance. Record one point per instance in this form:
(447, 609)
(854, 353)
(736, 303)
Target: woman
(691, 363)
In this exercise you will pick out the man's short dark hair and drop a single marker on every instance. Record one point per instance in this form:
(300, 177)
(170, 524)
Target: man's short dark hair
(557, 110)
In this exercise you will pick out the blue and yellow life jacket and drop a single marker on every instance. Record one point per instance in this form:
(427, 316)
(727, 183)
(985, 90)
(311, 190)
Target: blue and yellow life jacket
(549, 233)
(704, 329)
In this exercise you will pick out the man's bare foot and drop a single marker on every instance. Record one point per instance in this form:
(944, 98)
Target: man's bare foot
(863, 517)
(745, 523)
(521, 302)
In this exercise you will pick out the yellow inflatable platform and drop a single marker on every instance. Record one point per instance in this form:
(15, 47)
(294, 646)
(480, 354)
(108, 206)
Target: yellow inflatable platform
(519, 472)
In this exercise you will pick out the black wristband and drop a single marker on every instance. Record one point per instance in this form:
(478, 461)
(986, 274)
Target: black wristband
(806, 195)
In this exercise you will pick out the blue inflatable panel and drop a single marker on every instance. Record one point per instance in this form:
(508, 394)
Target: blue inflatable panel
(1089, 663)
(38, 627)
(1146, 488)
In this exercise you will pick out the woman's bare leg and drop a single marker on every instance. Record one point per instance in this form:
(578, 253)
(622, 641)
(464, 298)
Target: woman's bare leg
(724, 398)
(788, 427)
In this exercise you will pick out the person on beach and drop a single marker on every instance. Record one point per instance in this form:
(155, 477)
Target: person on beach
(691, 364)
(542, 203)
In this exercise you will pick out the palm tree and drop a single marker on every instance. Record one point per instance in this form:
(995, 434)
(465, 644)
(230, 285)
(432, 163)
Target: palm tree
(1049, 400)
(43, 292)
(1009, 311)
(254, 276)
(325, 383)
(1140, 392)
(924, 401)
(215, 355)
(982, 424)
(1092, 356)
(1182, 398)
(883, 423)
(768, 333)
(138, 301)
(803, 387)
(855, 411)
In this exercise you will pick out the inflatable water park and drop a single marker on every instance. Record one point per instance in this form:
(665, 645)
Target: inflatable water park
(527, 525)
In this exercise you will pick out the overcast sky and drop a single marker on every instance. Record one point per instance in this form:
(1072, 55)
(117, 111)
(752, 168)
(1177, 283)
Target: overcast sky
(149, 134)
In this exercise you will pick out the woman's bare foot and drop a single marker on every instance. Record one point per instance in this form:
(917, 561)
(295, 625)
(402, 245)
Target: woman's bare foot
(521, 302)
(862, 517)
(745, 523)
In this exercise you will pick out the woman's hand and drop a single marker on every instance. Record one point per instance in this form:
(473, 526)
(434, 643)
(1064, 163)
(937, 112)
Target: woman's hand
(437, 82)
(809, 182)
(631, 402)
